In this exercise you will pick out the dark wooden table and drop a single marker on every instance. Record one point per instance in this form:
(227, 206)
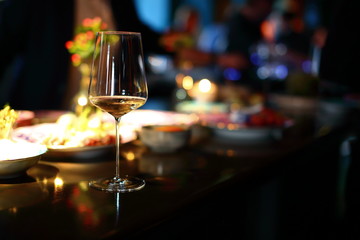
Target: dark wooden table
(286, 189)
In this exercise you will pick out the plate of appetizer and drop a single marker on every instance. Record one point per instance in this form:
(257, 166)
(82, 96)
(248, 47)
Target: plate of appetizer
(254, 124)
(73, 136)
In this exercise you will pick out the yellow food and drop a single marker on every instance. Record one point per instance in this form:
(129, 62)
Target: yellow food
(8, 117)
(85, 129)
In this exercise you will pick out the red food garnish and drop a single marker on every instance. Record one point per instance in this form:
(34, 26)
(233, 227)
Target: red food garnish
(169, 129)
(267, 117)
(107, 140)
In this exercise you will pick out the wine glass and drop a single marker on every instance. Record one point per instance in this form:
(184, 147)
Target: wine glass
(118, 86)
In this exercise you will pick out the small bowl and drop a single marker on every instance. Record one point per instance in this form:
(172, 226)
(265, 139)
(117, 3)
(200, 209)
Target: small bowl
(17, 157)
(165, 138)
(25, 118)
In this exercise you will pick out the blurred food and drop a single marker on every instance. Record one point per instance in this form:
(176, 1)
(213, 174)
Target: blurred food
(8, 118)
(80, 131)
(255, 116)
(266, 117)
(25, 118)
(70, 130)
(96, 129)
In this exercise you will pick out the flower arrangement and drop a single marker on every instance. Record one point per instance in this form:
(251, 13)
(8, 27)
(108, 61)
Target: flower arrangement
(81, 47)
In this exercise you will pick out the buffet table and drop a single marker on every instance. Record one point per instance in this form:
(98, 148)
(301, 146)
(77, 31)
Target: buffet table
(212, 188)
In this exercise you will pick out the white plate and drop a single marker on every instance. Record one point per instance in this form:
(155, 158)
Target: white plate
(17, 157)
(222, 128)
(79, 152)
(131, 123)
(248, 134)
(37, 133)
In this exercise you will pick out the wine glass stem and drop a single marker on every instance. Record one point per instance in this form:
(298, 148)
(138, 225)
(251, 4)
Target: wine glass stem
(117, 133)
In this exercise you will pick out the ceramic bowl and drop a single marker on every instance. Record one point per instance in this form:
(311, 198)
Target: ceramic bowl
(25, 118)
(165, 138)
(17, 157)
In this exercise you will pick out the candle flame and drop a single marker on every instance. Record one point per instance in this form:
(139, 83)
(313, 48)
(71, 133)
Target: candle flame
(204, 85)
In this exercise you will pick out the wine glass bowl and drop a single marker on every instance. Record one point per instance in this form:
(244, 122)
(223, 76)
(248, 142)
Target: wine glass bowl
(118, 86)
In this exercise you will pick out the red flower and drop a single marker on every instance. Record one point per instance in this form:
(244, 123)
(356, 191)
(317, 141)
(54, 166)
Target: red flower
(69, 44)
(96, 20)
(76, 58)
(90, 35)
(81, 46)
(87, 22)
(103, 26)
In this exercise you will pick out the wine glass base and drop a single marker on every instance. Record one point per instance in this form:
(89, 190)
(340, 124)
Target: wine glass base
(127, 184)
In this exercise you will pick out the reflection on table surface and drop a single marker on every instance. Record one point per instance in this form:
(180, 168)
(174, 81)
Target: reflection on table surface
(55, 195)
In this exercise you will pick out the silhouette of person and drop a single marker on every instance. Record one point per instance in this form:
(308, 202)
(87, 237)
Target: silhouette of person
(243, 30)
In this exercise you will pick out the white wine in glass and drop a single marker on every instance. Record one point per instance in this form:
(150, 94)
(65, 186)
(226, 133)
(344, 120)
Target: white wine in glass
(118, 86)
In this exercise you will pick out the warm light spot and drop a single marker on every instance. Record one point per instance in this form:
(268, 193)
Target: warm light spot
(230, 153)
(204, 85)
(204, 91)
(130, 156)
(268, 30)
(84, 186)
(179, 79)
(44, 181)
(232, 126)
(13, 210)
(58, 182)
(187, 83)
(221, 125)
(82, 101)
(58, 189)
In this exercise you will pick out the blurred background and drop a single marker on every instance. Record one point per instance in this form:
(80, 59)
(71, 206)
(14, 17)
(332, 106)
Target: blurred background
(237, 57)
(199, 54)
